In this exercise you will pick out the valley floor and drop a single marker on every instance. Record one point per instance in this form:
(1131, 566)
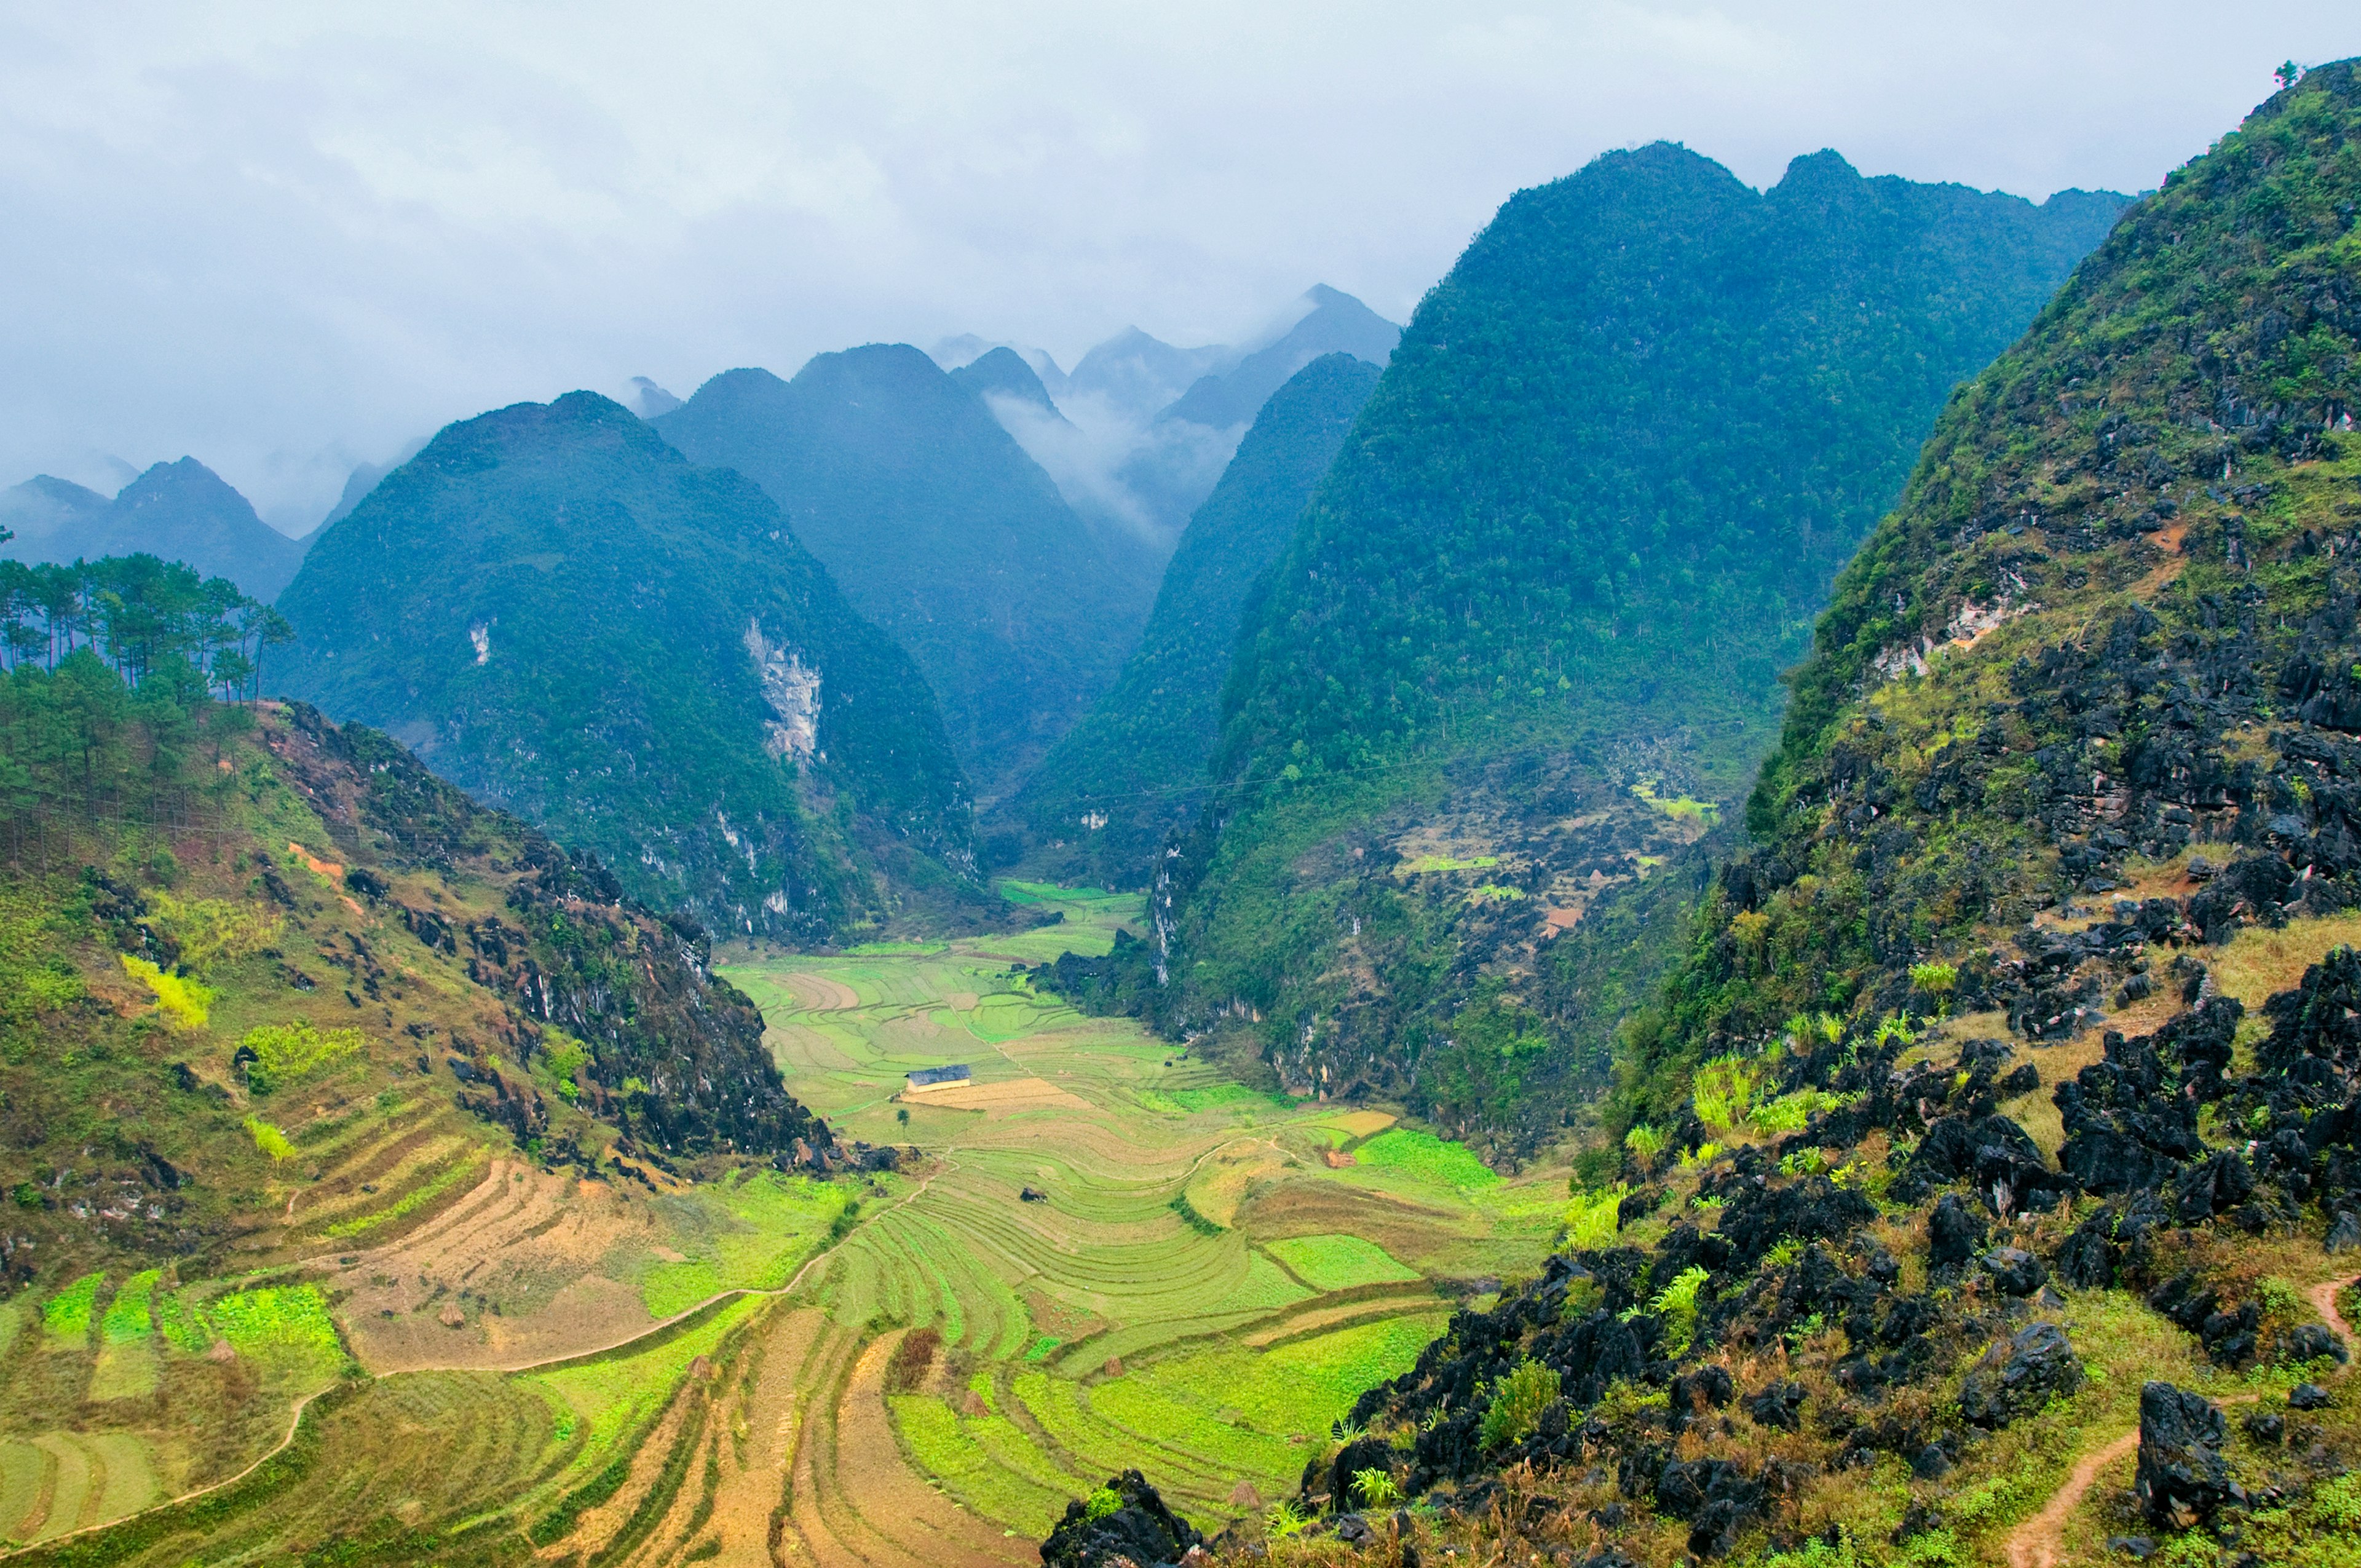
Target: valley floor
(1104, 1256)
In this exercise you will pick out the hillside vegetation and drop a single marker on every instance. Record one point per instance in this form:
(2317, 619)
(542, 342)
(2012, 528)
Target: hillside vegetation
(566, 618)
(269, 991)
(941, 532)
(1133, 771)
(1984, 1162)
(1525, 644)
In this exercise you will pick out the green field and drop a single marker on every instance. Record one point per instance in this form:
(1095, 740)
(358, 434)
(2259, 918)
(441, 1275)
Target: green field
(1099, 1329)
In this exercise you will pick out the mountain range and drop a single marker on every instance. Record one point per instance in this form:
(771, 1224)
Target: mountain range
(179, 511)
(1132, 772)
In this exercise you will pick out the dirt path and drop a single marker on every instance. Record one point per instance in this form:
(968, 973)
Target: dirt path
(2036, 1542)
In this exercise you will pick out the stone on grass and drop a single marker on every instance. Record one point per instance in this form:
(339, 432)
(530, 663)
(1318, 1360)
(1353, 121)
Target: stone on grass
(2182, 1478)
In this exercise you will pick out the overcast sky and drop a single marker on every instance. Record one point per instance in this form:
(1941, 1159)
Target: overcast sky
(286, 239)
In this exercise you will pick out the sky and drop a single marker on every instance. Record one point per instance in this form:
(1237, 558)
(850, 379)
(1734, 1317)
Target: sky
(289, 238)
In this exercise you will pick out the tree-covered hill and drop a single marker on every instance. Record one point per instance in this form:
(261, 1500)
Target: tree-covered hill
(178, 512)
(1526, 643)
(566, 618)
(942, 532)
(2005, 1104)
(1132, 772)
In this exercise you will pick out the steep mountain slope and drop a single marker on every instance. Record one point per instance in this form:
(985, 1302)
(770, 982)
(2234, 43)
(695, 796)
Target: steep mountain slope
(177, 512)
(940, 530)
(566, 618)
(271, 994)
(1528, 634)
(1131, 772)
(2073, 767)
(1336, 323)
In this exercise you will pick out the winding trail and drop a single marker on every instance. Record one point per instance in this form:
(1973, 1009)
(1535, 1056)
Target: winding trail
(2036, 1542)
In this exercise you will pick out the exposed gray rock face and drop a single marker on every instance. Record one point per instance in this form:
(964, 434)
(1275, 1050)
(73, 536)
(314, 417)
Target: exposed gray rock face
(2182, 1477)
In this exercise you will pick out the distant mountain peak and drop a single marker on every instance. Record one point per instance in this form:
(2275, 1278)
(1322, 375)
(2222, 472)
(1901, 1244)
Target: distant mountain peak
(1004, 373)
(648, 400)
(1335, 322)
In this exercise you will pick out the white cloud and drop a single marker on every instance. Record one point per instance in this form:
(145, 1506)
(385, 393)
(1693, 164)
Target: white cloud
(286, 237)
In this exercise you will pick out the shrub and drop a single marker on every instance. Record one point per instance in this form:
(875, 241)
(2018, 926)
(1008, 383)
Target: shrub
(1516, 1404)
(1936, 980)
(1101, 1503)
(1375, 1487)
(182, 1002)
(1285, 1522)
(269, 1139)
(285, 1052)
(912, 1360)
(1593, 1218)
(1644, 1141)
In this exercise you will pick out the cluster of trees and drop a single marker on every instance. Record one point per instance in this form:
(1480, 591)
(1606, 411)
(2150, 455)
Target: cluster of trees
(138, 615)
(111, 669)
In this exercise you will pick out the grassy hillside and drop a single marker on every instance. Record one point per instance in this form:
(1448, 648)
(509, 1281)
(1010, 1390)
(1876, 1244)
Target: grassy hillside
(271, 993)
(567, 618)
(942, 532)
(2010, 1076)
(1133, 770)
(1525, 646)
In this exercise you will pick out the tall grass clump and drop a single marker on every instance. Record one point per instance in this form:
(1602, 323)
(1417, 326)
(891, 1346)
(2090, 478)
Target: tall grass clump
(1593, 1218)
(1723, 1091)
(1677, 1304)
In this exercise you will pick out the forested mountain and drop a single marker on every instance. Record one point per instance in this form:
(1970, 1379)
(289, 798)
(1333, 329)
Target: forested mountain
(1133, 770)
(1336, 323)
(1528, 637)
(2022, 1041)
(942, 532)
(179, 512)
(565, 618)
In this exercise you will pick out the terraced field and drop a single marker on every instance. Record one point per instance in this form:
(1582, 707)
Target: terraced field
(1128, 1261)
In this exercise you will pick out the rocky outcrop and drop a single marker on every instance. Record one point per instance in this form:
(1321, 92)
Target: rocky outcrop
(2182, 1477)
(2016, 1379)
(1123, 1521)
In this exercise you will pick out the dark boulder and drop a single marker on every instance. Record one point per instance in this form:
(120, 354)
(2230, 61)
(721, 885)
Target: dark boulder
(2035, 1366)
(2182, 1477)
(1780, 1405)
(1713, 1497)
(1361, 1453)
(2308, 1397)
(2345, 1233)
(2266, 1427)
(2310, 1342)
(1954, 1231)
(2216, 1186)
(1125, 1519)
(2015, 1270)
